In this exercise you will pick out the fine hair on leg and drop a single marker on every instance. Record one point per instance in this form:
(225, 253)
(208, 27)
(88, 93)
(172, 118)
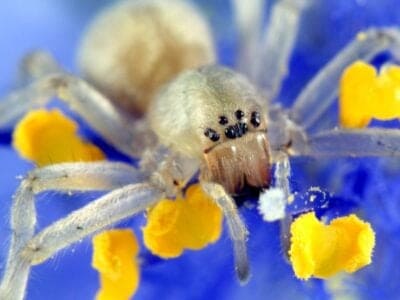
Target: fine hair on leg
(97, 110)
(61, 177)
(320, 93)
(352, 143)
(277, 45)
(237, 229)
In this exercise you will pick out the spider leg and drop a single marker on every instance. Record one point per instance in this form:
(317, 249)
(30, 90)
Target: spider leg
(37, 64)
(282, 174)
(353, 143)
(105, 211)
(321, 91)
(272, 205)
(248, 18)
(61, 177)
(84, 99)
(277, 46)
(237, 229)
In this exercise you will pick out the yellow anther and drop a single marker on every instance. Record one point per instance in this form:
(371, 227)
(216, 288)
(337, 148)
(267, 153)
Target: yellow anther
(364, 95)
(48, 137)
(176, 225)
(321, 251)
(114, 256)
(356, 92)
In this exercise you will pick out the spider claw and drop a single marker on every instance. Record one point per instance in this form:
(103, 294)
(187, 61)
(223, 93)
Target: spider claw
(241, 262)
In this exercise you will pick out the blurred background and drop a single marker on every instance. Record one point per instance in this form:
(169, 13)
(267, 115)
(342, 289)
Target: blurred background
(369, 187)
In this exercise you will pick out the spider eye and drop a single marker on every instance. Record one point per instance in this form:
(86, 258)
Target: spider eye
(255, 119)
(211, 134)
(239, 114)
(230, 132)
(223, 120)
(243, 127)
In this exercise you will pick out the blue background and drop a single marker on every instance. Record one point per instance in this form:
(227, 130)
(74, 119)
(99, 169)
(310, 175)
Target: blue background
(369, 187)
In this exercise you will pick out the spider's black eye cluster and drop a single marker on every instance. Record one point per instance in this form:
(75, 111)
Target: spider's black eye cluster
(237, 130)
(211, 134)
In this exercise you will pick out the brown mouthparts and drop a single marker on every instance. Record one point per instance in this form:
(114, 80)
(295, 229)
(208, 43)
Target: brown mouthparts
(236, 163)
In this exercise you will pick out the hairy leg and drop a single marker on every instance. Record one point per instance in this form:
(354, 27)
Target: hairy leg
(62, 177)
(282, 174)
(273, 202)
(237, 229)
(248, 17)
(351, 143)
(97, 215)
(98, 111)
(321, 91)
(273, 63)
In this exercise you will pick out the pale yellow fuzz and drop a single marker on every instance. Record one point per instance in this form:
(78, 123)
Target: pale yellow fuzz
(364, 95)
(319, 250)
(192, 222)
(49, 137)
(114, 256)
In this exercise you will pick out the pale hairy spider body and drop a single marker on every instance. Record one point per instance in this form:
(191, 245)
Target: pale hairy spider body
(142, 47)
(215, 116)
(207, 118)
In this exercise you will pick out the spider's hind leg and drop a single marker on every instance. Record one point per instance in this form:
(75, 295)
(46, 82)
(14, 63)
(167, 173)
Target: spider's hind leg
(37, 64)
(46, 80)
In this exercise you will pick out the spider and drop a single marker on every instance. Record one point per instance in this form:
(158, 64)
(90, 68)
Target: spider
(207, 118)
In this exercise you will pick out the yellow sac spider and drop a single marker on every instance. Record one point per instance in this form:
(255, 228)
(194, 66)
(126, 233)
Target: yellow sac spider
(153, 90)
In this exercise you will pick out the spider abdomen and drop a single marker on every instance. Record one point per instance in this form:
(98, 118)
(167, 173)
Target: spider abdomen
(134, 47)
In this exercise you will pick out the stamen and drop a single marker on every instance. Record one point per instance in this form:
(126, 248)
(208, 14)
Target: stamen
(48, 137)
(364, 95)
(114, 256)
(176, 225)
(321, 251)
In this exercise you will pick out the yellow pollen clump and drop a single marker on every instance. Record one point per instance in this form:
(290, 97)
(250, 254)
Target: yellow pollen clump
(364, 95)
(321, 251)
(49, 137)
(189, 223)
(114, 256)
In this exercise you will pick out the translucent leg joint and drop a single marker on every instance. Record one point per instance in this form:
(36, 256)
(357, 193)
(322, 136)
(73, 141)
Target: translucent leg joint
(63, 177)
(321, 91)
(237, 229)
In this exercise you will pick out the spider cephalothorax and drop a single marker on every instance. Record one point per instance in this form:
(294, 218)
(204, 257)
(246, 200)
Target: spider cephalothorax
(215, 115)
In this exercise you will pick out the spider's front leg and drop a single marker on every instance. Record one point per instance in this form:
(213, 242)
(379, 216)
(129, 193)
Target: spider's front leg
(157, 178)
(105, 211)
(98, 111)
(237, 229)
(277, 45)
(321, 91)
(298, 131)
(248, 18)
(264, 56)
(63, 177)
(351, 143)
